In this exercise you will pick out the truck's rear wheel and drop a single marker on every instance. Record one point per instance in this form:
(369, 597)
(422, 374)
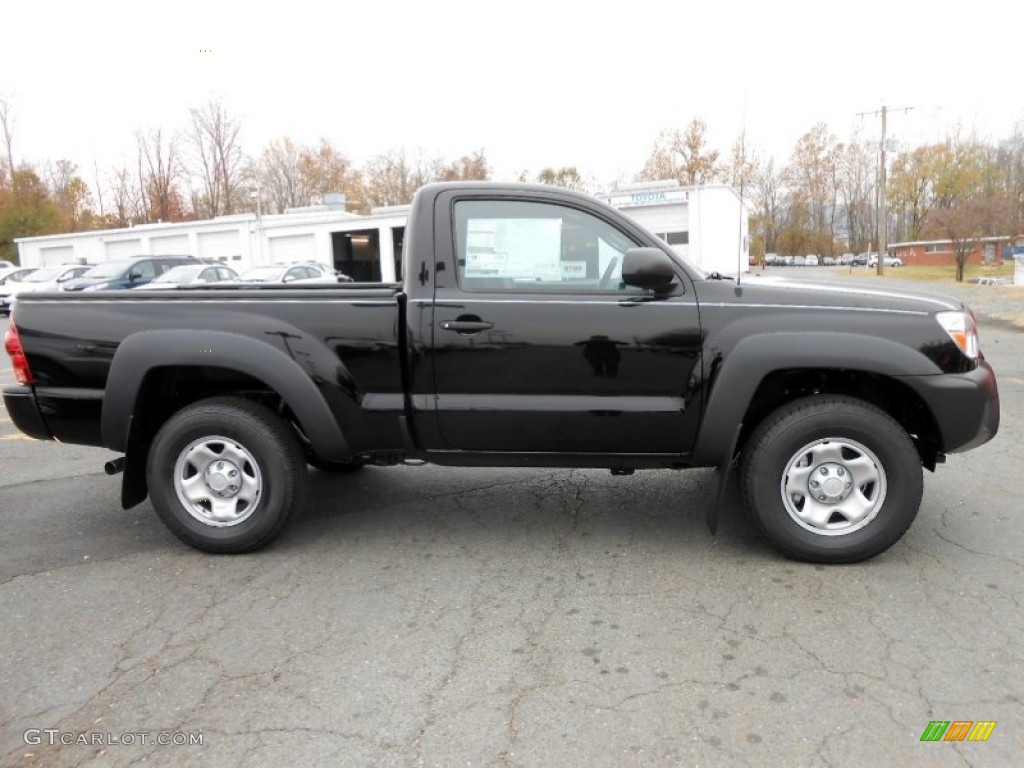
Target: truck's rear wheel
(225, 474)
(831, 479)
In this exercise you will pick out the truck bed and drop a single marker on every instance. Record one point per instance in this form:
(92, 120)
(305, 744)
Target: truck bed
(345, 338)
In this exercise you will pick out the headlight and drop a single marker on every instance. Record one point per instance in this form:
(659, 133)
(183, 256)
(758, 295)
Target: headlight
(962, 330)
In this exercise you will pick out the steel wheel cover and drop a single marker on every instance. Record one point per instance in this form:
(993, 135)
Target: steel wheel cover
(218, 481)
(833, 486)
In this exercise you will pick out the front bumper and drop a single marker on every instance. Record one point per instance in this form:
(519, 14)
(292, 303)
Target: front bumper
(965, 406)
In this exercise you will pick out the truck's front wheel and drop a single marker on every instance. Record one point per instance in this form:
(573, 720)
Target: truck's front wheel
(831, 479)
(225, 474)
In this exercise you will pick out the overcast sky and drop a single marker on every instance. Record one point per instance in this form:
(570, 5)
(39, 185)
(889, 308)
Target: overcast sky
(533, 84)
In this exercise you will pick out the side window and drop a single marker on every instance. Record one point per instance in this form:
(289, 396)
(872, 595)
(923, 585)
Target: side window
(510, 245)
(225, 274)
(295, 273)
(145, 269)
(209, 275)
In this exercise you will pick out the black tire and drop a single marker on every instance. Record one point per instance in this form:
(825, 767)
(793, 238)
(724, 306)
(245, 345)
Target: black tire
(226, 435)
(859, 463)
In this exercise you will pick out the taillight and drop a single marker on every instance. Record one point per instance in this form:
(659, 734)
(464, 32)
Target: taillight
(12, 343)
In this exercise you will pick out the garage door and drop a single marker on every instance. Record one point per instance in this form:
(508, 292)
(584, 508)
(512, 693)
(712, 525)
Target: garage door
(64, 254)
(169, 245)
(216, 245)
(285, 250)
(123, 249)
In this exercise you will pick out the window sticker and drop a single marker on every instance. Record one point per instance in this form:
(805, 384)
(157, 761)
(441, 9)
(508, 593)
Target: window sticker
(518, 249)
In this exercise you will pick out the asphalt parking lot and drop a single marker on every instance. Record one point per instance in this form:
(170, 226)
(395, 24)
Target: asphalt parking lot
(432, 616)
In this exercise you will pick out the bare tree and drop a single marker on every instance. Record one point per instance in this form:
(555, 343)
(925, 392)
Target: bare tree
(742, 167)
(7, 125)
(278, 174)
(684, 156)
(325, 169)
(219, 160)
(567, 176)
(159, 170)
(769, 207)
(70, 194)
(856, 172)
(392, 178)
(128, 202)
(471, 167)
(922, 180)
(813, 188)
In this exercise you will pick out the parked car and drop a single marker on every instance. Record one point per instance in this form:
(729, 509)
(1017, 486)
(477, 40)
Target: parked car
(991, 280)
(890, 261)
(288, 273)
(338, 274)
(127, 273)
(6, 270)
(862, 259)
(10, 281)
(15, 275)
(811, 260)
(190, 274)
(45, 279)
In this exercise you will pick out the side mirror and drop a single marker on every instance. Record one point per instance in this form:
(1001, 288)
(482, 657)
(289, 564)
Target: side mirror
(648, 268)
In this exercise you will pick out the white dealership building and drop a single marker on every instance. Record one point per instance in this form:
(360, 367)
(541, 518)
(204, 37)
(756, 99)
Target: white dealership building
(706, 224)
(367, 248)
(709, 224)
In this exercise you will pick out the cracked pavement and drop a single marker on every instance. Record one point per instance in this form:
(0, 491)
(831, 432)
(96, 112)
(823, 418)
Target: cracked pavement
(432, 616)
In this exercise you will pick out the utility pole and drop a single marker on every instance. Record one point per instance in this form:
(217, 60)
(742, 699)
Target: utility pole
(882, 223)
(883, 218)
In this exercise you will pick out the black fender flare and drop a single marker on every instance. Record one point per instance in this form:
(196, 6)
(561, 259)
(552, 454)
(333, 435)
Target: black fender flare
(141, 352)
(734, 382)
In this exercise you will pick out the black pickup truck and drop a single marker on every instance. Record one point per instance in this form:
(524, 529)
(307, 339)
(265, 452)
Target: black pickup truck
(533, 327)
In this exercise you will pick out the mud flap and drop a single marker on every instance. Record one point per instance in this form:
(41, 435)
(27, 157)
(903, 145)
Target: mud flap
(724, 470)
(133, 484)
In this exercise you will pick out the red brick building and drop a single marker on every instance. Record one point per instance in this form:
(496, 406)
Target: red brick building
(939, 253)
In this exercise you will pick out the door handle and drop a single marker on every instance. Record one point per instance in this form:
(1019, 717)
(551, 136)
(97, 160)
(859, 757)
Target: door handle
(466, 327)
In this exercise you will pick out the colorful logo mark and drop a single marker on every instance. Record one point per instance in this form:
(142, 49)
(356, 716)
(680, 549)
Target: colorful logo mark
(958, 730)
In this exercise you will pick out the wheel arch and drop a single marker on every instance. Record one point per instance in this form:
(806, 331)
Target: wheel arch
(765, 371)
(143, 390)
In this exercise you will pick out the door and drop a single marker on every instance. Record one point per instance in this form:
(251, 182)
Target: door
(291, 248)
(538, 346)
(169, 245)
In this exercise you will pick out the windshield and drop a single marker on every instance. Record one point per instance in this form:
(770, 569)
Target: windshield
(179, 274)
(111, 269)
(261, 274)
(42, 275)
